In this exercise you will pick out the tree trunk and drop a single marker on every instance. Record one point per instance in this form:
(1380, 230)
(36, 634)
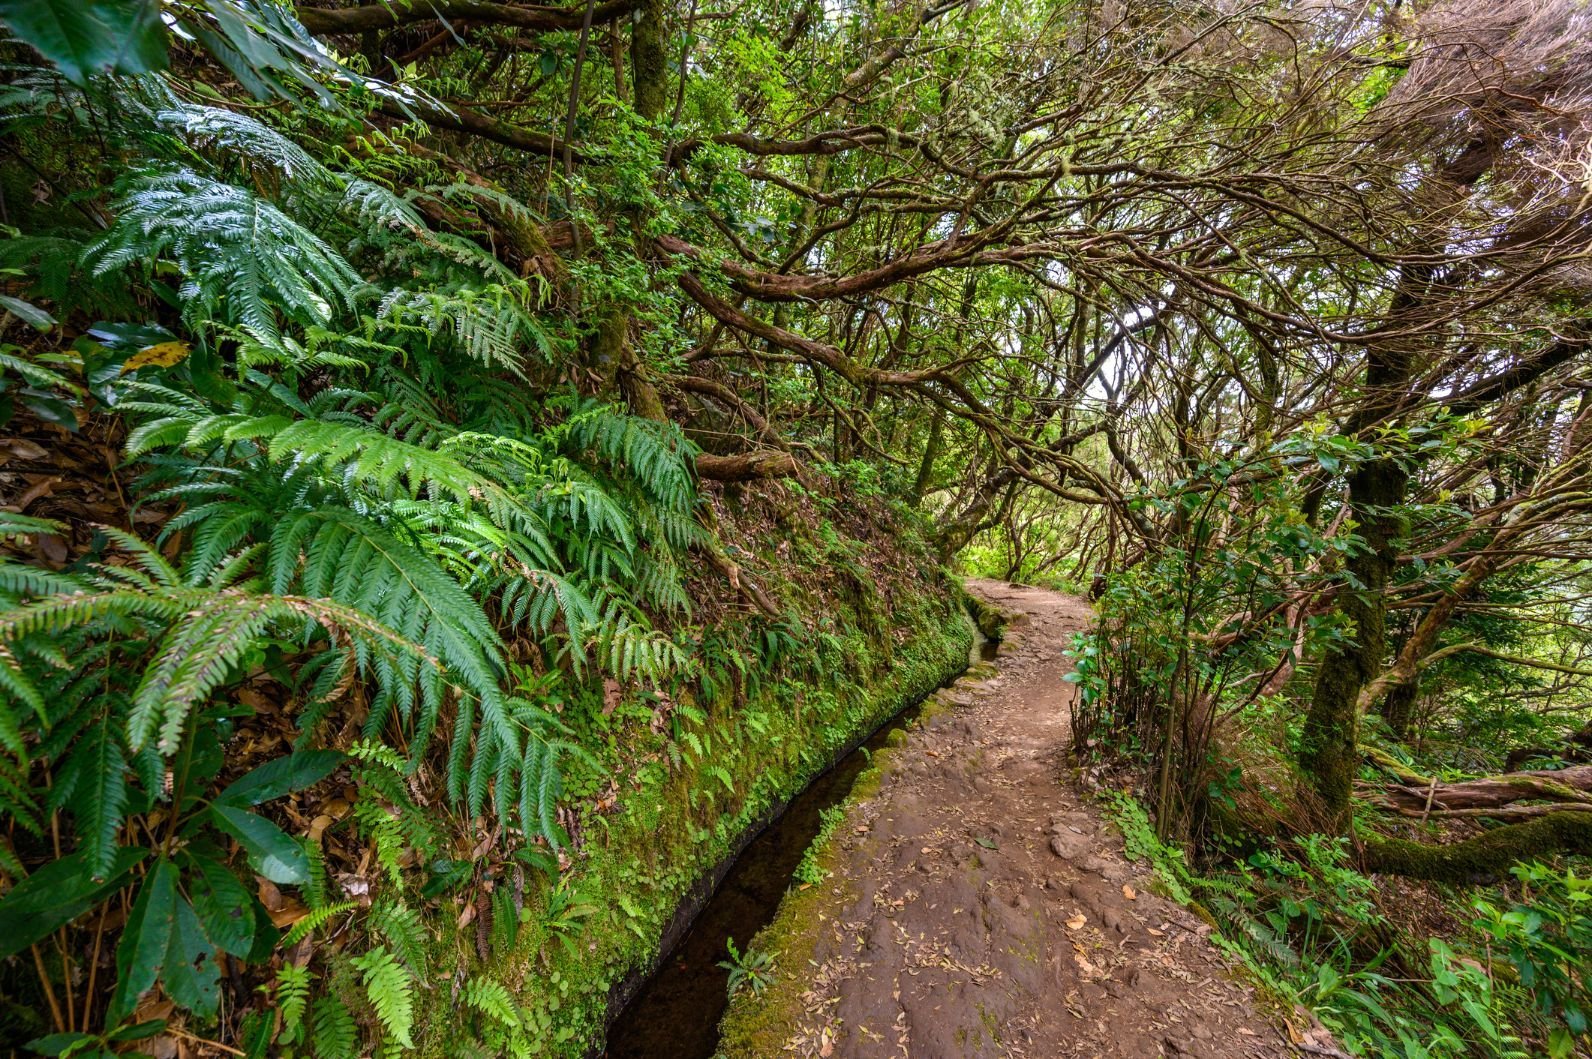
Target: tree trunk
(1398, 709)
(1487, 856)
(1495, 792)
(1330, 752)
(931, 453)
(649, 66)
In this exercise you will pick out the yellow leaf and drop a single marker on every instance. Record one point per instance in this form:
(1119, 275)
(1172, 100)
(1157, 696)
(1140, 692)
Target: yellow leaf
(159, 355)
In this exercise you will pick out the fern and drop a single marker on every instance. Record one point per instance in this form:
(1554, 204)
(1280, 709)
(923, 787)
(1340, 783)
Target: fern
(390, 991)
(314, 920)
(259, 150)
(493, 1000)
(292, 997)
(505, 920)
(401, 927)
(380, 828)
(95, 779)
(335, 1034)
(208, 632)
(243, 260)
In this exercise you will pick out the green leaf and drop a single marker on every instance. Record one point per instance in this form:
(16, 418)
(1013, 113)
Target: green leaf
(272, 852)
(27, 312)
(84, 37)
(281, 776)
(145, 940)
(138, 1030)
(55, 895)
(224, 905)
(58, 1043)
(192, 975)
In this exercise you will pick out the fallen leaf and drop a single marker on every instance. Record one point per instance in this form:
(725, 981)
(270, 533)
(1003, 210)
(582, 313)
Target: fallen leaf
(269, 895)
(24, 449)
(43, 486)
(291, 912)
(159, 355)
(1077, 921)
(1129, 892)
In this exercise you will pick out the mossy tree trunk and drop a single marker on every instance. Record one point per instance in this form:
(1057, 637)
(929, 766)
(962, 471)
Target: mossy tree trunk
(1489, 855)
(1398, 709)
(1330, 750)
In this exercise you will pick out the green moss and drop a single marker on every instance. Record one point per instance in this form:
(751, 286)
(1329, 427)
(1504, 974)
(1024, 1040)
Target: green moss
(1487, 855)
(991, 621)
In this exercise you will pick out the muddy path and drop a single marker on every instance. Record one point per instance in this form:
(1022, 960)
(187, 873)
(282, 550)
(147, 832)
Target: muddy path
(981, 907)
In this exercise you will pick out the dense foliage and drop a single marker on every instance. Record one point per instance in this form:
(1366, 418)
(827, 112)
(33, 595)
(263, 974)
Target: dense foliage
(433, 429)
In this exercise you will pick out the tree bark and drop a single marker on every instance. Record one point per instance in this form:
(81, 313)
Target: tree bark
(1494, 792)
(746, 466)
(1330, 749)
(1487, 856)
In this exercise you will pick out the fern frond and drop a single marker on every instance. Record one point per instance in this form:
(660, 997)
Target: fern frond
(292, 997)
(99, 796)
(403, 930)
(390, 990)
(243, 259)
(336, 1036)
(314, 920)
(260, 149)
(493, 1000)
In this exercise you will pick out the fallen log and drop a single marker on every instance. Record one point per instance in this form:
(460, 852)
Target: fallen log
(1494, 792)
(767, 463)
(1486, 856)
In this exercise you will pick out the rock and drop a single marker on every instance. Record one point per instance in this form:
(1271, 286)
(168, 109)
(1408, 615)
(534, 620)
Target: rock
(1105, 867)
(1069, 846)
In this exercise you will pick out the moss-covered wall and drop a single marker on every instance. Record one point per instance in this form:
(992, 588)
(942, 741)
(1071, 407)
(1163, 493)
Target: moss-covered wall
(681, 812)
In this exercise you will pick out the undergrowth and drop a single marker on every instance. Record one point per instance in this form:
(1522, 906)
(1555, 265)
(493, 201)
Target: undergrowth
(1313, 932)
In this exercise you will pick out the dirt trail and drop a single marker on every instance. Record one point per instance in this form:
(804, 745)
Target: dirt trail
(988, 910)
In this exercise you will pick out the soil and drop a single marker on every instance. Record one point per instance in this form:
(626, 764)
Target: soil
(980, 906)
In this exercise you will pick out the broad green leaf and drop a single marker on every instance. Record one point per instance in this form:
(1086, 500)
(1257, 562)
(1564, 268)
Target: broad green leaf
(224, 905)
(142, 950)
(27, 312)
(55, 895)
(86, 37)
(192, 977)
(138, 1030)
(272, 852)
(281, 776)
(58, 1043)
